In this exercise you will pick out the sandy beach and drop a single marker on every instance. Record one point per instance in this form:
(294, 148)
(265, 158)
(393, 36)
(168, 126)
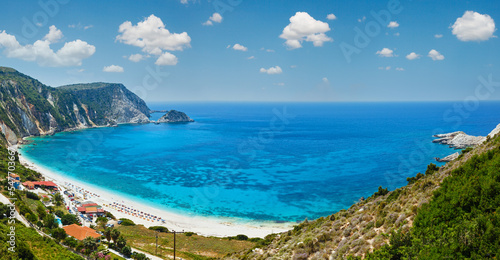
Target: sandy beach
(206, 226)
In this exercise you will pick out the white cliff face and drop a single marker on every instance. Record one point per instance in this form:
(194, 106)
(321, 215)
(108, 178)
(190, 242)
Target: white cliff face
(495, 131)
(29, 108)
(124, 111)
(459, 140)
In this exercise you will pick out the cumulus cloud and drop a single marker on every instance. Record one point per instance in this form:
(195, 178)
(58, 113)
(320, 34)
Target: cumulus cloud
(393, 24)
(435, 55)
(71, 54)
(303, 27)
(152, 36)
(412, 56)
(473, 26)
(438, 36)
(272, 70)
(239, 47)
(136, 57)
(113, 68)
(54, 34)
(362, 19)
(325, 79)
(384, 68)
(251, 58)
(400, 69)
(215, 18)
(166, 59)
(331, 17)
(385, 52)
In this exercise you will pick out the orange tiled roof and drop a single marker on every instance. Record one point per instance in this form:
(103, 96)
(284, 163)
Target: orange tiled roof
(91, 210)
(80, 233)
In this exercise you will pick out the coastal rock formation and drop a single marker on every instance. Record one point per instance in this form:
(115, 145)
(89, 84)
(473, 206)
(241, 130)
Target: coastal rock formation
(174, 116)
(117, 105)
(448, 158)
(459, 140)
(30, 108)
(494, 131)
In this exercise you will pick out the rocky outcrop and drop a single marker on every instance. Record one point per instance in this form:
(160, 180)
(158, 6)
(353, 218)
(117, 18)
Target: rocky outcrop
(459, 140)
(494, 132)
(30, 108)
(174, 116)
(448, 158)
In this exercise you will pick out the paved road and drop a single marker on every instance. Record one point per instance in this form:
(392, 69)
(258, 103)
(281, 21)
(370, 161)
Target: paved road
(21, 219)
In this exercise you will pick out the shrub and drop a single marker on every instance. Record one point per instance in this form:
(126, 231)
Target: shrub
(431, 168)
(241, 237)
(127, 222)
(188, 234)
(160, 229)
(379, 222)
(381, 192)
(32, 195)
(69, 219)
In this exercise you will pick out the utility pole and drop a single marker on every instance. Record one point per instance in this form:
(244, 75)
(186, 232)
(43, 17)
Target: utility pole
(156, 251)
(175, 232)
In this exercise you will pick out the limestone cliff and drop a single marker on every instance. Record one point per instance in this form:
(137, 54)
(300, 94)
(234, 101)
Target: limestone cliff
(28, 107)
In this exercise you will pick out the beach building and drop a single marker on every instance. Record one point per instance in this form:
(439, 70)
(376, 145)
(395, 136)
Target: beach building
(91, 208)
(29, 185)
(15, 180)
(38, 184)
(79, 232)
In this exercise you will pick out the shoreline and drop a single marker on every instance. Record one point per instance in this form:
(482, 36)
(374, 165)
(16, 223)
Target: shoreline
(201, 225)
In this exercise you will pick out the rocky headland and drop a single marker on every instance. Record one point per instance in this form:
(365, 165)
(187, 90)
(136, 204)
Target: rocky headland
(174, 116)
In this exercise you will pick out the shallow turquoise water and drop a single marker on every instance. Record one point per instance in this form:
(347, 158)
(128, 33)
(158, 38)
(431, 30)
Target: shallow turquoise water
(249, 161)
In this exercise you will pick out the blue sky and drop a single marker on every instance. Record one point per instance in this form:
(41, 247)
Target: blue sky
(285, 50)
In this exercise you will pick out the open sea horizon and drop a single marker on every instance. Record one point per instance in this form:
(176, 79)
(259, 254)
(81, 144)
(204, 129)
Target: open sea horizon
(263, 161)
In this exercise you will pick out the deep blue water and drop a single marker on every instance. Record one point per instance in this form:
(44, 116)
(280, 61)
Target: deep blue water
(249, 161)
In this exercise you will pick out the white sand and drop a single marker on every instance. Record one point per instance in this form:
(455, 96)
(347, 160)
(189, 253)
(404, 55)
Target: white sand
(219, 227)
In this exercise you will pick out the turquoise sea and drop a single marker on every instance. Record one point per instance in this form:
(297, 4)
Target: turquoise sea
(263, 161)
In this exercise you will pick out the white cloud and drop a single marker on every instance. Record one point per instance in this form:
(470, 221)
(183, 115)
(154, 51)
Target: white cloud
(412, 56)
(279, 84)
(362, 19)
(325, 79)
(438, 36)
(152, 36)
(400, 69)
(331, 17)
(393, 24)
(384, 68)
(385, 52)
(396, 34)
(239, 47)
(54, 34)
(435, 55)
(272, 70)
(71, 54)
(113, 68)
(185, 2)
(251, 58)
(293, 66)
(215, 18)
(166, 59)
(473, 26)
(80, 26)
(136, 57)
(303, 27)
